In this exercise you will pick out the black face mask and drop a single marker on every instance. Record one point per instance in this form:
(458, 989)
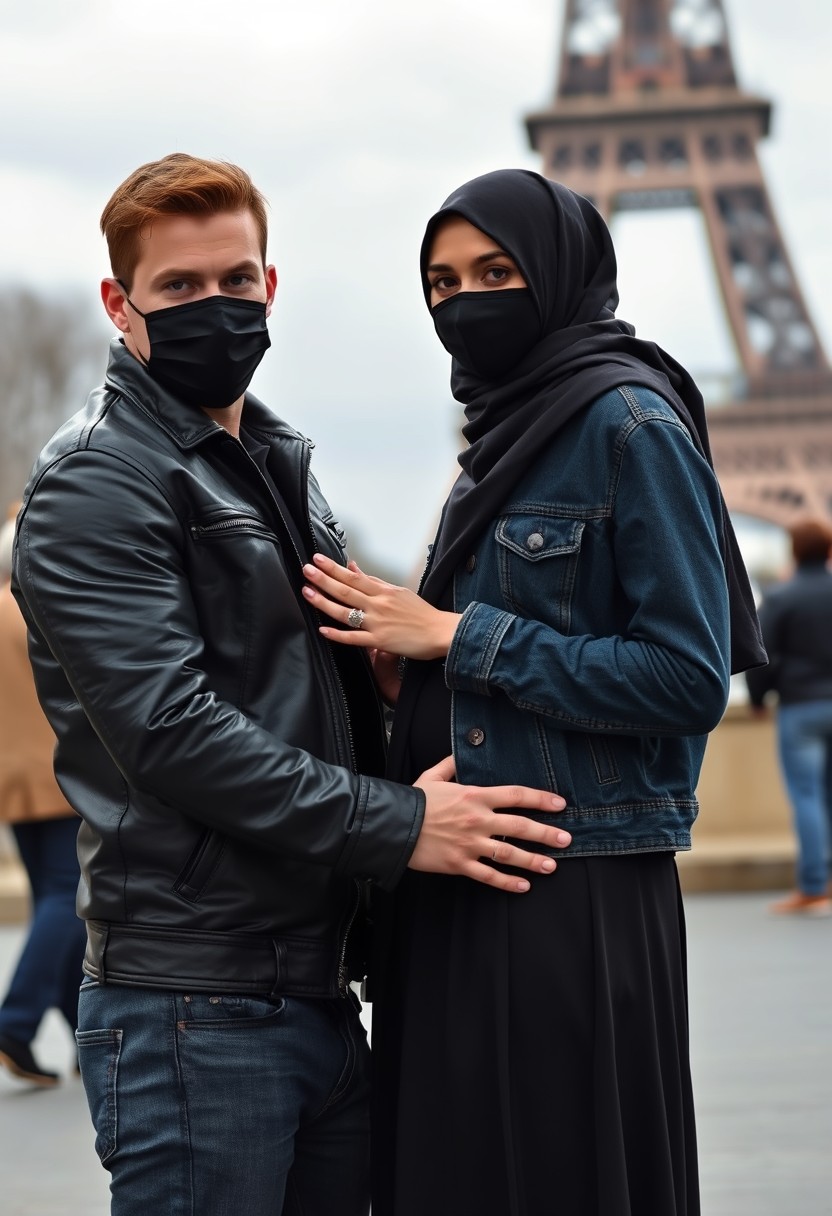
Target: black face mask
(206, 353)
(488, 332)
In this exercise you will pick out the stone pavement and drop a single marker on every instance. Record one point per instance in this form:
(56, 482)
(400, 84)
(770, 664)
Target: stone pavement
(761, 1015)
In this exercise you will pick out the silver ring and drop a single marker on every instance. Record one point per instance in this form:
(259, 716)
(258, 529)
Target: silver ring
(494, 854)
(355, 619)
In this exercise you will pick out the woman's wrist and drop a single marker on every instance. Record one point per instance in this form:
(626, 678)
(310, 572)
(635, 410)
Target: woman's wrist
(446, 627)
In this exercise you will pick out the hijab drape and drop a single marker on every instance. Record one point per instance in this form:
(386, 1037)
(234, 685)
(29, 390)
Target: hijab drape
(563, 250)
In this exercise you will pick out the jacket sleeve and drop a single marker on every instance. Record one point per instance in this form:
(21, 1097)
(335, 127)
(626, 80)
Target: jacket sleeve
(668, 672)
(100, 570)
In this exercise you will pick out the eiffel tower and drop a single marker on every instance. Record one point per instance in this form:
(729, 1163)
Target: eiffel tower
(648, 114)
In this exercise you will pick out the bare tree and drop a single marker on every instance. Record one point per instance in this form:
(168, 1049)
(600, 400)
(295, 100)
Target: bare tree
(52, 351)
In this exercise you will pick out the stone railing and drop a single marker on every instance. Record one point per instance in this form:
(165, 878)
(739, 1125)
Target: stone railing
(743, 838)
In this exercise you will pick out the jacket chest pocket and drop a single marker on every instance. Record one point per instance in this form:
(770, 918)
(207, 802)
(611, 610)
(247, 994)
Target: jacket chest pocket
(244, 590)
(237, 566)
(230, 527)
(537, 557)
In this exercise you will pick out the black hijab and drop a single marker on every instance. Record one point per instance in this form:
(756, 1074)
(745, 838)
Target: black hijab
(563, 250)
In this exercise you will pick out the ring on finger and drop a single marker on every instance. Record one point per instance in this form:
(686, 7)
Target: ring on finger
(355, 618)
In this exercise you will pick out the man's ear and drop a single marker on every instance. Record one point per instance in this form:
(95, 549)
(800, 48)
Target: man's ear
(114, 299)
(271, 288)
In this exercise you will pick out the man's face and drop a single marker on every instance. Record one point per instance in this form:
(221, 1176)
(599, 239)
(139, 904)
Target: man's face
(186, 258)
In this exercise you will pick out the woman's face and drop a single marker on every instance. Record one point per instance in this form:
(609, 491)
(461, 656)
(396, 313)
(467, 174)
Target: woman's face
(462, 258)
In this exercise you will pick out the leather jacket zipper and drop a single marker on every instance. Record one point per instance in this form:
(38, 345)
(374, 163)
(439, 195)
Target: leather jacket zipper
(329, 664)
(343, 978)
(330, 670)
(239, 523)
(305, 464)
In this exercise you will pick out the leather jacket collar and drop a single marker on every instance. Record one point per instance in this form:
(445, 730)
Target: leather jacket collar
(186, 426)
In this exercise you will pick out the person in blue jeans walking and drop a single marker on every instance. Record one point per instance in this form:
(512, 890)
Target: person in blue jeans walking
(796, 620)
(45, 829)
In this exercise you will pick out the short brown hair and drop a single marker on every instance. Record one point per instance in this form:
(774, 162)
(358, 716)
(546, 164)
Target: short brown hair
(175, 185)
(811, 540)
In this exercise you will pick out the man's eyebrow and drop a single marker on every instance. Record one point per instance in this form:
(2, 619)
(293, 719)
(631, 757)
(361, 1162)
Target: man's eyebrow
(249, 266)
(483, 257)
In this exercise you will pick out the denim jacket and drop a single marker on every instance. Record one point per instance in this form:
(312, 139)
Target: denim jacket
(592, 653)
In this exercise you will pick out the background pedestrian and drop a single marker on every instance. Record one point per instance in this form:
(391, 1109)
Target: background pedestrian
(796, 619)
(45, 827)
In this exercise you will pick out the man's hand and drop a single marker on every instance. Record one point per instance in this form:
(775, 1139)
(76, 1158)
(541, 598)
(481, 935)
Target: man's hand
(463, 829)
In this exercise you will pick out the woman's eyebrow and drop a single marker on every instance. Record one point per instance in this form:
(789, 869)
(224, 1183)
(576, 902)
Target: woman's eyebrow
(483, 257)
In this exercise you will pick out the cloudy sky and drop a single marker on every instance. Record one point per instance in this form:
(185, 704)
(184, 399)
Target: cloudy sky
(356, 118)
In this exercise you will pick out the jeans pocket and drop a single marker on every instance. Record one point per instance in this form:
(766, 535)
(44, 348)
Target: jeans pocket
(98, 1056)
(198, 1011)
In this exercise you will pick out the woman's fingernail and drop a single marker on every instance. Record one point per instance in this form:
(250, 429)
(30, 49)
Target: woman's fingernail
(564, 838)
(558, 803)
(548, 865)
(308, 592)
(522, 885)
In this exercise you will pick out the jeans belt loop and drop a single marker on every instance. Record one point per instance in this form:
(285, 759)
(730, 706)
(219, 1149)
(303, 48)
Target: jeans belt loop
(279, 949)
(102, 962)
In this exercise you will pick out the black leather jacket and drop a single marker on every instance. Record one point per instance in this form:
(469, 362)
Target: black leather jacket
(206, 733)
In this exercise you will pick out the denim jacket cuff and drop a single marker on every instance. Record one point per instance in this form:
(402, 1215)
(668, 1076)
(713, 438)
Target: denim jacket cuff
(474, 648)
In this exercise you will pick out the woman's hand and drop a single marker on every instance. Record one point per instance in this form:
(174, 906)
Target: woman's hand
(392, 618)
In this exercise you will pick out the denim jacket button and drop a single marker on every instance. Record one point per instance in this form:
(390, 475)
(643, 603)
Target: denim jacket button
(535, 541)
(470, 565)
(475, 736)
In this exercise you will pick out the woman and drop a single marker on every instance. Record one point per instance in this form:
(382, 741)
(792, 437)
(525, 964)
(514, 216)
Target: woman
(573, 629)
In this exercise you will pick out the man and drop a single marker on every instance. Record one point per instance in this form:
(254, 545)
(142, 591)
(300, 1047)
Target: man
(795, 619)
(211, 739)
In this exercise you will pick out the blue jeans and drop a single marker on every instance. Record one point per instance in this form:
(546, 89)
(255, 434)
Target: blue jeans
(48, 971)
(805, 737)
(227, 1105)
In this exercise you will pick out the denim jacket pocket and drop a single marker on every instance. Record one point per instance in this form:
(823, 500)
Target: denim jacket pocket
(604, 764)
(537, 557)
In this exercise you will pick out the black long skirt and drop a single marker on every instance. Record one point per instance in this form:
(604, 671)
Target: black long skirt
(531, 1051)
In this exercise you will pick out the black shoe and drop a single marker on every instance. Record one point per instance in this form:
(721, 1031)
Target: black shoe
(20, 1062)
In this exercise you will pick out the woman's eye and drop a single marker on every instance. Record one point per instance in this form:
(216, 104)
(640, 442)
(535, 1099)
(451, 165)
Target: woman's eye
(444, 283)
(497, 274)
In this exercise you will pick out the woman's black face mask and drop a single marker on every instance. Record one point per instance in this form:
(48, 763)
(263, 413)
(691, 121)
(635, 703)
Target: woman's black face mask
(488, 332)
(205, 353)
